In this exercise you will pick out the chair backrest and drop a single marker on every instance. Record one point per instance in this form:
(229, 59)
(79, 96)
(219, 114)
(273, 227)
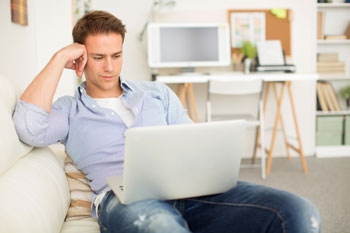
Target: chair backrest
(235, 86)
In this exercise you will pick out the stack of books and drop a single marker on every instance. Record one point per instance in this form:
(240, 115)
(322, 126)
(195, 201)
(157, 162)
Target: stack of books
(328, 64)
(327, 98)
(335, 37)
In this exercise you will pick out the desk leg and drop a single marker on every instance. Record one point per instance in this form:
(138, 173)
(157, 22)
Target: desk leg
(282, 124)
(300, 150)
(182, 90)
(189, 110)
(193, 103)
(278, 118)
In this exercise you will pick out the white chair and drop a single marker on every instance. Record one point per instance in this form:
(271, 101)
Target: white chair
(240, 86)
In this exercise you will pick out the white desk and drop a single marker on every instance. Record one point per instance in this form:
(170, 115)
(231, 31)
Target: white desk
(204, 78)
(270, 79)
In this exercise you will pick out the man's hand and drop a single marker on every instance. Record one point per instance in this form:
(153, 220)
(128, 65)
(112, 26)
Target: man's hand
(76, 57)
(42, 89)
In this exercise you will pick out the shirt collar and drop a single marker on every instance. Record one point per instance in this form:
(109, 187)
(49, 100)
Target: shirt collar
(123, 84)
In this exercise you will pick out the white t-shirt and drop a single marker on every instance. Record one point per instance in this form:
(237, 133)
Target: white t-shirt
(125, 113)
(117, 105)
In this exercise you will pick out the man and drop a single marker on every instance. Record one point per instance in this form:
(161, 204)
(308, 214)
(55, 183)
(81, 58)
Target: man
(92, 125)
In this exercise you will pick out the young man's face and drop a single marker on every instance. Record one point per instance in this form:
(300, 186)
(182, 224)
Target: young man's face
(104, 64)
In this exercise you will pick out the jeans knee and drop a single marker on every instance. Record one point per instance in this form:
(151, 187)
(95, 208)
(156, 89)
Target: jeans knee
(161, 222)
(301, 216)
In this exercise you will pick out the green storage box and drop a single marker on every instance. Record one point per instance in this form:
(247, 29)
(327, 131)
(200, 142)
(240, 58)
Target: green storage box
(328, 138)
(347, 124)
(330, 124)
(347, 138)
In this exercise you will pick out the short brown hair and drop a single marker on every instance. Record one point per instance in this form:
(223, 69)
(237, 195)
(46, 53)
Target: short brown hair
(97, 22)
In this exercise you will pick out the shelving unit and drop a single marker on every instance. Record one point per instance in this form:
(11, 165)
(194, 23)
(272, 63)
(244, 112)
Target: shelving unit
(333, 77)
(332, 5)
(336, 18)
(333, 42)
(342, 113)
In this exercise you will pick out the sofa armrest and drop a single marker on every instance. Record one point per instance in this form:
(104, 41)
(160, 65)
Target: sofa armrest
(34, 194)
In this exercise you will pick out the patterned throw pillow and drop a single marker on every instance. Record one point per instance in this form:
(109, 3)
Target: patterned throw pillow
(80, 192)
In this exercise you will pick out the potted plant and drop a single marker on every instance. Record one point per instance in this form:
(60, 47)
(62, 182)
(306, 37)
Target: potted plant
(345, 93)
(249, 51)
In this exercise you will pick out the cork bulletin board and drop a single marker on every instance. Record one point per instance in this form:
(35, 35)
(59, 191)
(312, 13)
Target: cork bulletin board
(276, 28)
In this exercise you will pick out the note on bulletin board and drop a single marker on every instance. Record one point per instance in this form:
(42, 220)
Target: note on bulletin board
(247, 27)
(277, 27)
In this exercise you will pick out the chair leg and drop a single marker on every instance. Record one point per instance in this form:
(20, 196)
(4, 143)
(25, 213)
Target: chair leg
(262, 142)
(208, 111)
(267, 88)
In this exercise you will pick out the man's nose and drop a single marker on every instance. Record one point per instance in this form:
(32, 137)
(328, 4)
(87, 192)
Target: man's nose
(108, 65)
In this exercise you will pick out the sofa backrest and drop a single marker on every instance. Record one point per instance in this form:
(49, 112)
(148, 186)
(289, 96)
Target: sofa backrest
(34, 192)
(12, 148)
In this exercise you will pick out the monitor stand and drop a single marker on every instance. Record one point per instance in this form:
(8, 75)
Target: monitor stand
(191, 71)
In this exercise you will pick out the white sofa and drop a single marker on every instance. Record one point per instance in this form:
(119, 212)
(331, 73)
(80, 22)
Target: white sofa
(34, 193)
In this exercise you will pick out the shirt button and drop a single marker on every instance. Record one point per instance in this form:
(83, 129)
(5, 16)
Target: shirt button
(94, 106)
(112, 113)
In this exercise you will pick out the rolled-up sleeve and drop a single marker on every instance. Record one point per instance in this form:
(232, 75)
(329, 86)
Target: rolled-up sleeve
(36, 127)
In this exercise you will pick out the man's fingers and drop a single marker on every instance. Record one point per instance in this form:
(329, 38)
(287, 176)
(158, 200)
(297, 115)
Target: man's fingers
(70, 65)
(77, 68)
(81, 64)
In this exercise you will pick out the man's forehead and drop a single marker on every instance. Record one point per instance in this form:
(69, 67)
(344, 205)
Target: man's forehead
(104, 44)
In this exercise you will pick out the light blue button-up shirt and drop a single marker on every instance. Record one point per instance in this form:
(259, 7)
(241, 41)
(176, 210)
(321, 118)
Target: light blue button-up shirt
(94, 137)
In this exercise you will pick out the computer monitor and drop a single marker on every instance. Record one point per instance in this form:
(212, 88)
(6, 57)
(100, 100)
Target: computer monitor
(188, 45)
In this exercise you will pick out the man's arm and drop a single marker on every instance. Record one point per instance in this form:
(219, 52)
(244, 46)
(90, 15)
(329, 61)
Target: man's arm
(41, 90)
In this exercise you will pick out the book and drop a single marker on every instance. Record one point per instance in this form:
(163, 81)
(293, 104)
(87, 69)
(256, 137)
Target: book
(327, 96)
(335, 37)
(327, 57)
(333, 96)
(320, 25)
(321, 97)
(347, 32)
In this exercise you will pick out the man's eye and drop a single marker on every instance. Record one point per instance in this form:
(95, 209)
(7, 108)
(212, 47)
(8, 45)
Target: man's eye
(116, 56)
(97, 58)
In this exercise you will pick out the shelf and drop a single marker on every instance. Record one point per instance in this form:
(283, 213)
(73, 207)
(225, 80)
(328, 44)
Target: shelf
(324, 42)
(334, 77)
(333, 5)
(333, 151)
(344, 112)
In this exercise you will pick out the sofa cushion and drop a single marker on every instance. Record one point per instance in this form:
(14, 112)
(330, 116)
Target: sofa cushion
(80, 192)
(11, 147)
(88, 225)
(34, 194)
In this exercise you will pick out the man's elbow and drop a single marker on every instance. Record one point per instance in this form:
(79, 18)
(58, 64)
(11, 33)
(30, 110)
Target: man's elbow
(31, 137)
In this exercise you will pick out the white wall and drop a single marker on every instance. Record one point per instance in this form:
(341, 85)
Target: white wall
(25, 50)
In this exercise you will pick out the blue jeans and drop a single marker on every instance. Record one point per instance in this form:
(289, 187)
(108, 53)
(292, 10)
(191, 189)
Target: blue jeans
(246, 208)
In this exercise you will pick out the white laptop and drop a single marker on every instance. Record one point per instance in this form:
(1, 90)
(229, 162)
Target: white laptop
(180, 161)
